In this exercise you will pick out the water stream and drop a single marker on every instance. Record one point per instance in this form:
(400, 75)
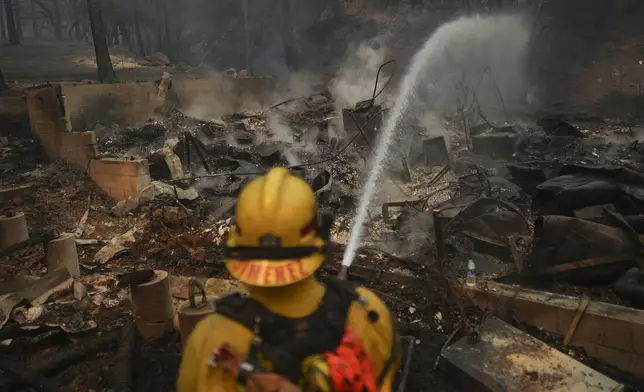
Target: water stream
(470, 39)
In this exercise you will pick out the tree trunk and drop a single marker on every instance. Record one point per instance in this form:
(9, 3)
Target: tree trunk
(126, 40)
(34, 20)
(167, 41)
(17, 18)
(137, 30)
(76, 30)
(3, 83)
(14, 38)
(58, 21)
(249, 59)
(288, 39)
(103, 62)
(3, 30)
(82, 35)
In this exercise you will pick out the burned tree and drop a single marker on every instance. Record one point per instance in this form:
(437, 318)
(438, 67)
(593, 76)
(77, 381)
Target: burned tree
(137, 30)
(288, 39)
(3, 33)
(34, 19)
(103, 61)
(12, 30)
(52, 10)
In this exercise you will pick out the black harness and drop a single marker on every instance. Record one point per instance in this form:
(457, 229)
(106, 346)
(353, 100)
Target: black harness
(285, 342)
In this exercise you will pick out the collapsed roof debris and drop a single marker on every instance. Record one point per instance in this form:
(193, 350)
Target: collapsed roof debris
(534, 205)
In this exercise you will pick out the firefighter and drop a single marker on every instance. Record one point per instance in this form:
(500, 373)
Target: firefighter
(291, 332)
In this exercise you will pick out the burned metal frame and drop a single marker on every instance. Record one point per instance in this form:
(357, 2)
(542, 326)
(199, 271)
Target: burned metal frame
(189, 139)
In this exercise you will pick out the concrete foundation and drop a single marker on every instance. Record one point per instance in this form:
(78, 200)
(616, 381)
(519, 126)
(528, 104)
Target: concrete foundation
(13, 230)
(506, 359)
(60, 116)
(154, 308)
(187, 317)
(131, 104)
(120, 179)
(62, 253)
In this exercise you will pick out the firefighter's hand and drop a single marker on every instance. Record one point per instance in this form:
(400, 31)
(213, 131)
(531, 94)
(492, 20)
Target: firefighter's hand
(227, 359)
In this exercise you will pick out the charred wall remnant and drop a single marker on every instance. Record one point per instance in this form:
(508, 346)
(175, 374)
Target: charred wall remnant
(502, 360)
(127, 104)
(623, 347)
(120, 179)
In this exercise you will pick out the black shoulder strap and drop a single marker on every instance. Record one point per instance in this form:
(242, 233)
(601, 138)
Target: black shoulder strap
(242, 309)
(246, 310)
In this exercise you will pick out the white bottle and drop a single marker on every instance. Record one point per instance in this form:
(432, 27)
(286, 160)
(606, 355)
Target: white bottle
(470, 280)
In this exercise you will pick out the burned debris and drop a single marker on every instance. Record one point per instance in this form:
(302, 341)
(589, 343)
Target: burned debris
(120, 277)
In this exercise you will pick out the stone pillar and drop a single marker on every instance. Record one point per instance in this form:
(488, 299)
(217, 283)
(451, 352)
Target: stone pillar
(62, 253)
(13, 230)
(154, 309)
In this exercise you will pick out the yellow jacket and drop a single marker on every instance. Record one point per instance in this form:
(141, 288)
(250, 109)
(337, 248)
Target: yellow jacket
(301, 299)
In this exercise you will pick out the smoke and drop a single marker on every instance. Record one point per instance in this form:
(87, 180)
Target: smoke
(216, 95)
(484, 59)
(473, 60)
(356, 78)
(432, 124)
(299, 84)
(280, 131)
(295, 144)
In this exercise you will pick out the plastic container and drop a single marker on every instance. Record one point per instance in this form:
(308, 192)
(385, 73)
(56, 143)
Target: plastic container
(470, 280)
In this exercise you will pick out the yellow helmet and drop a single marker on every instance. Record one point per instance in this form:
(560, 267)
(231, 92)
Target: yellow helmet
(277, 239)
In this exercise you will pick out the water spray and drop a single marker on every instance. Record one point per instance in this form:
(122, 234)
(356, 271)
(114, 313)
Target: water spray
(426, 61)
(419, 64)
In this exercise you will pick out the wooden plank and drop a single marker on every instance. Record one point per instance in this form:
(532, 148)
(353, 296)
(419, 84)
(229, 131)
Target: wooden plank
(605, 330)
(506, 359)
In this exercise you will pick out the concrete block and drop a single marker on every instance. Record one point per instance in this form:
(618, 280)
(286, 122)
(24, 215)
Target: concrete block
(506, 359)
(119, 167)
(622, 360)
(120, 179)
(604, 329)
(62, 253)
(496, 145)
(13, 230)
(115, 193)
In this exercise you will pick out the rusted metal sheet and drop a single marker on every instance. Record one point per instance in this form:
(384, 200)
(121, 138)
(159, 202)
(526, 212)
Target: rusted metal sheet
(611, 333)
(506, 359)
